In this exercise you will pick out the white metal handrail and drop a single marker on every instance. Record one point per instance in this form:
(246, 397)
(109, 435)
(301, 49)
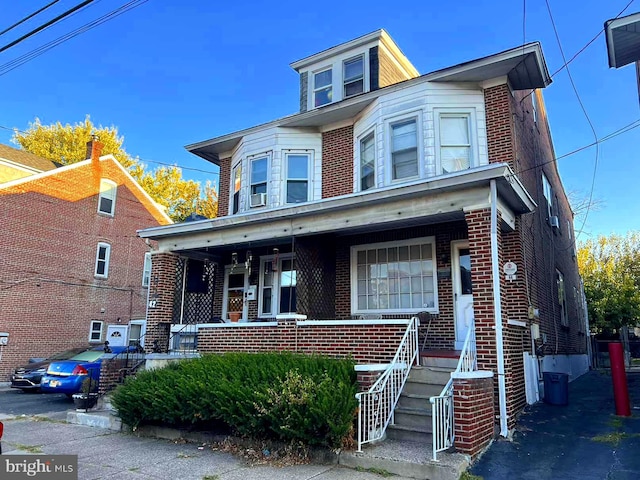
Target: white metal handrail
(376, 406)
(442, 405)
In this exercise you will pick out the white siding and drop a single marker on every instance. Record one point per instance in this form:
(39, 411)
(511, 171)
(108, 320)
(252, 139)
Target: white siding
(425, 100)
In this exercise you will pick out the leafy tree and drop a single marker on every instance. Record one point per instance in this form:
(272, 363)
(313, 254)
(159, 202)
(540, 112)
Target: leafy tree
(67, 144)
(610, 268)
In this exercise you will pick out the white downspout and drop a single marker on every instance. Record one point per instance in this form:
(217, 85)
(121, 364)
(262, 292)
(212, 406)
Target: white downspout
(495, 270)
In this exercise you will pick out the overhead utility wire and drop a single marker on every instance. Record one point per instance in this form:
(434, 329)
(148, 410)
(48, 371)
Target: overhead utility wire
(21, 60)
(584, 111)
(45, 25)
(28, 17)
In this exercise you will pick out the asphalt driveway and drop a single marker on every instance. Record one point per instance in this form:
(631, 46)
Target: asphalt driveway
(584, 440)
(16, 402)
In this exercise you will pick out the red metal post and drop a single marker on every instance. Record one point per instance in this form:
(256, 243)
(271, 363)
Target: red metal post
(620, 391)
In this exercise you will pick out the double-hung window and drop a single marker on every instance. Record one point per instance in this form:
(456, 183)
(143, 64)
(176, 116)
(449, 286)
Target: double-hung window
(278, 285)
(353, 72)
(146, 270)
(236, 178)
(259, 175)
(95, 331)
(297, 189)
(367, 162)
(455, 142)
(547, 191)
(394, 277)
(107, 197)
(102, 260)
(404, 149)
(322, 87)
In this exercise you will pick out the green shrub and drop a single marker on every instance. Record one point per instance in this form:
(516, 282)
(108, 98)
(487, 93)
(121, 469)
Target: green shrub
(283, 396)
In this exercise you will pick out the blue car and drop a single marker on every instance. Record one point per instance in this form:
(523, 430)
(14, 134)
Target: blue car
(67, 376)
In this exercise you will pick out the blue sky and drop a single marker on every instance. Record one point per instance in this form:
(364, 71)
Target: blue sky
(172, 73)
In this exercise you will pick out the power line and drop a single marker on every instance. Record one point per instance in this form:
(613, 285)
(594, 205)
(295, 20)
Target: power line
(584, 111)
(20, 22)
(21, 60)
(600, 32)
(46, 25)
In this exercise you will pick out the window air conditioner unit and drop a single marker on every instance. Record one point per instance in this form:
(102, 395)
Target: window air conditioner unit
(258, 200)
(554, 222)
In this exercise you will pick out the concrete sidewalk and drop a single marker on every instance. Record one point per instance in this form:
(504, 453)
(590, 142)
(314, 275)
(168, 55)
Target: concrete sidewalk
(584, 440)
(105, 454)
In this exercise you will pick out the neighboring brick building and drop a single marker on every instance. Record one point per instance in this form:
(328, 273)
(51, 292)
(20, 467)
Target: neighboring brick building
(72, 264)
(390, 194)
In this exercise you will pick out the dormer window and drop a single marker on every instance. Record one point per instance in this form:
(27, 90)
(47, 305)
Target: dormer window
(322, 87)
(353, 76)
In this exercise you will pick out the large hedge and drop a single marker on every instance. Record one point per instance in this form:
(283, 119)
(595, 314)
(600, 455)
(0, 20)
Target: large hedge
(282, 396)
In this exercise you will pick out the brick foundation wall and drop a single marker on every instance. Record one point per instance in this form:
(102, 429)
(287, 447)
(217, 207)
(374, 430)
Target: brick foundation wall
(473, 400)
(337, 162)
(366, 343)
(50, 229)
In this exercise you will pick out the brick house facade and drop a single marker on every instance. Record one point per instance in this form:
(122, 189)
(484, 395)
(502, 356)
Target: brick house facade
(52, 294)
(404, 198)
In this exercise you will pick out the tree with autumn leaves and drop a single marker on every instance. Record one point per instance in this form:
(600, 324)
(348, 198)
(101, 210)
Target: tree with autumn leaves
(610, 268)
(67, 144)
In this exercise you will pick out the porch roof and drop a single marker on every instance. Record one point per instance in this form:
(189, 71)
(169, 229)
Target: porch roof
(438, 199)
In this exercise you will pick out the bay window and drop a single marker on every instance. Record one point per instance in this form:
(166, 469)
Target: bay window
(297, 189)
(404, 149)
(367, 162)
(455, 142)
(236, 180)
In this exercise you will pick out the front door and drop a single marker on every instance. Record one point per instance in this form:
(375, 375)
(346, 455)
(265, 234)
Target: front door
(117, 335)
(236, 283)
(462, 290)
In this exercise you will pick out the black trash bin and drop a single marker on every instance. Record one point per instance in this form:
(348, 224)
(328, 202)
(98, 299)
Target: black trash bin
(556, 388)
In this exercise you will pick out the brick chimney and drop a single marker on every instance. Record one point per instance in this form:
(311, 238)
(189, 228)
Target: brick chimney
(94, 148)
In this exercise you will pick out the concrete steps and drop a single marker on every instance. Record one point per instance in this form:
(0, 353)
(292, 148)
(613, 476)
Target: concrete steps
(412, 416)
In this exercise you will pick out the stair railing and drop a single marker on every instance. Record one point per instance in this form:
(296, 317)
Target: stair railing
(442, 405)
(376, 406)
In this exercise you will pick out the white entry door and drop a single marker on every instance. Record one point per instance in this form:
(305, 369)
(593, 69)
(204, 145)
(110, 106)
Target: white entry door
(462, 290)
(117, 335)
(236, 283)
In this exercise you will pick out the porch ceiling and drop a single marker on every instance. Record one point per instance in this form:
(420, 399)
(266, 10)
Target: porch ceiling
(437, 200)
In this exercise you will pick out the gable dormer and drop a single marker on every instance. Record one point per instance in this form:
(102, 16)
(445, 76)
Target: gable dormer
(362, 65)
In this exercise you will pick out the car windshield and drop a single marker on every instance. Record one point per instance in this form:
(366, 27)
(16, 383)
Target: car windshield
(88, 356)
(67, 354)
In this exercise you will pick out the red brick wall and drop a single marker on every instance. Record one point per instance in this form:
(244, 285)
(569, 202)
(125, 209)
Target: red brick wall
(225, 185)
(48, 242)
(515, 138)
(365, 343)
(337, 162)
(474, 414)
(161, 291)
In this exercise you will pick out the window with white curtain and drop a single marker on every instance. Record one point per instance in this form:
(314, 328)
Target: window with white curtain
(455, 142)
(404, 149)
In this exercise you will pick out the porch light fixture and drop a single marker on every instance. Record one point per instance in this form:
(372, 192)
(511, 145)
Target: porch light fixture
(234, 260)
(247, 262)
(274, 262)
